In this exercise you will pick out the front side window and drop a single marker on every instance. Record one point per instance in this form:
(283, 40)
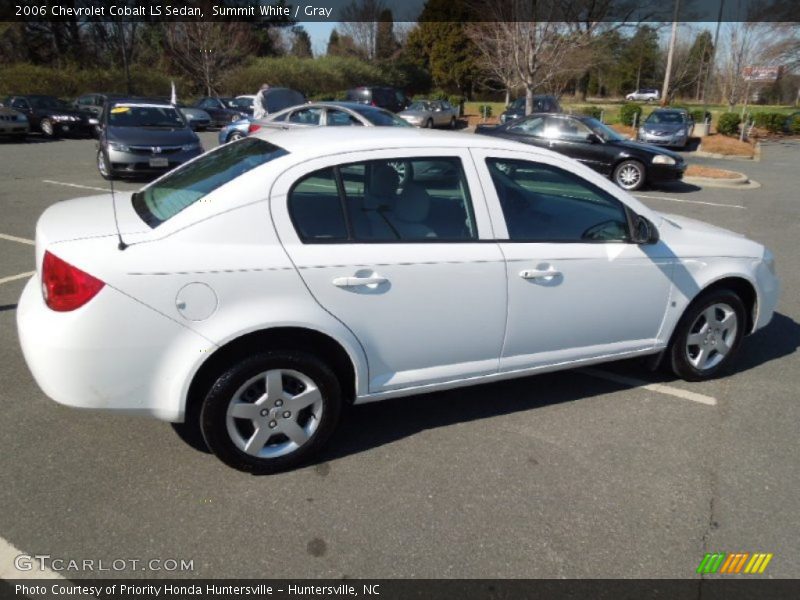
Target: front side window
(542, 203)
(306, 116)
(187, 184)
(403, 200)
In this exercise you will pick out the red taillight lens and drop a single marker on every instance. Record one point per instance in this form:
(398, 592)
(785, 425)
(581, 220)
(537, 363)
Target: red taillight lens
(65, 287)
(253, 127)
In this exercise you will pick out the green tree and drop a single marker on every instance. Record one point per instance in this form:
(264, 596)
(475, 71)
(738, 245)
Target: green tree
(440, 45)
(385, 43)
(641, 58)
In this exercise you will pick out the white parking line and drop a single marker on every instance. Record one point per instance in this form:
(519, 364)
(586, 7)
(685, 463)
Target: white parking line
(689, 201)
(653, 387)
(15, 277)
(13, 238)
(8, 570)
(76, 185)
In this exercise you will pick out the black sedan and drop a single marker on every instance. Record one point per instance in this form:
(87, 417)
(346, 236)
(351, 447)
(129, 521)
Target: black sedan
(221, 110)
(51, 116)
(629, 164)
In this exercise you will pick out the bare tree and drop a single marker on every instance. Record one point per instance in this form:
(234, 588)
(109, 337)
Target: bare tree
(360, 21)
(204, 51)
(739, 51)
(538, 49)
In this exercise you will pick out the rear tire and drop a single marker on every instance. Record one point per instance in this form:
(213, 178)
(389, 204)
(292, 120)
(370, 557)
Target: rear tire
(271, 412)
(708, 336)
(429, 124)
(453, 123)
(236, 135)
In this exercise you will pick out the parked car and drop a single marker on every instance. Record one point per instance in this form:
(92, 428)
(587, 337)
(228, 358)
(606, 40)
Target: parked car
(269, 282)
(140, 137)
(644, 95)
(430, 113)
(222, 110)
(93, 103)
(322, 114)
(666, 127)
(629, 164)
(13, 124)
(541, 103)
(388, 98)
(789, 125)
(49, 115)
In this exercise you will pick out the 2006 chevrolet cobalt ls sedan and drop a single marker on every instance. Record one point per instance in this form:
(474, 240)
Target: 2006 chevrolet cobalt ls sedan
(254, 290)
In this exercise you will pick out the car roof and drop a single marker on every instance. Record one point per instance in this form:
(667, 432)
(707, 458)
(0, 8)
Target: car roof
(323, 141)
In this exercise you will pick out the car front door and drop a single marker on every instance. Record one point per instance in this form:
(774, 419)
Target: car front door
(571, 137)
(397, 252)
(578, 289)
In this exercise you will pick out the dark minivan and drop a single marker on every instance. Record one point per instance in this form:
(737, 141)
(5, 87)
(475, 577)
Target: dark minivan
(388, 98)
(541, 104)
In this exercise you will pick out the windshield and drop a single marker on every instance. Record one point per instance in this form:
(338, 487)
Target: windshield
(145, 115)
(603, 131)
(48, 102)
(665, 117)
(381, 118)
(184, 186)
(419, 106)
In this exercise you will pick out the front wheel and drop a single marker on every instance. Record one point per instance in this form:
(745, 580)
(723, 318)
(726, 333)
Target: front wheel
(452, 122)
(236, 135)
(629, 175)
(48, 128)
(271, 412)
(429, 124)
(707, 336)
(104, 166)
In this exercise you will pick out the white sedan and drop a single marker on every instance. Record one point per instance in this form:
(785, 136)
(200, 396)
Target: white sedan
(254, 290)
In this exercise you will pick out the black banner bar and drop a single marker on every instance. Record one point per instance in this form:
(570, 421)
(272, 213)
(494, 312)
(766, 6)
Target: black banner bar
(635, 11)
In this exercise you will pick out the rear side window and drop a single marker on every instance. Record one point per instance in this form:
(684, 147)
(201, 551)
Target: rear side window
(542, 203)
(404, 200)
(187, 184)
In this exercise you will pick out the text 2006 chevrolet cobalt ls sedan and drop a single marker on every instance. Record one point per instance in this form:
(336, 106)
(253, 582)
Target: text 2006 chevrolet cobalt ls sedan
(257, 288)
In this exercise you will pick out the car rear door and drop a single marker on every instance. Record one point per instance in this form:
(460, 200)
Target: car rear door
(399, 255)
(578, 289)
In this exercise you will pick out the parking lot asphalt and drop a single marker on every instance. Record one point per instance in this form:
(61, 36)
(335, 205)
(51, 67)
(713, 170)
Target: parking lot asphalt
(571, 474)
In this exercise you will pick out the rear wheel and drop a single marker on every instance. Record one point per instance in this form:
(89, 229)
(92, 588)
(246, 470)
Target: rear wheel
(629, 175)
(429, 124)
(708, 336)
(271, 412)
(452, 123)
(235, 135)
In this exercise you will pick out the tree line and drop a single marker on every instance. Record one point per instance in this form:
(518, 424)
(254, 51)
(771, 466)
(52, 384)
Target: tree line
(506, 53)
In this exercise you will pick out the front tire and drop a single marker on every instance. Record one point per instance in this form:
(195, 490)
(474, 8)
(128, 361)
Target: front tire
(629, 175)
(429, 124)
(47, 127)
(271, 412)
(452, 123)
(708, 336)
(104, 166)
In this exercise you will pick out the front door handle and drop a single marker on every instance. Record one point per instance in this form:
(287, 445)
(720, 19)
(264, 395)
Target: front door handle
(536, 274)
(357, 281)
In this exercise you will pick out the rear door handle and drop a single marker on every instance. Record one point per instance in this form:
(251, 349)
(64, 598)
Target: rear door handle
(357, 281)
(536, 274)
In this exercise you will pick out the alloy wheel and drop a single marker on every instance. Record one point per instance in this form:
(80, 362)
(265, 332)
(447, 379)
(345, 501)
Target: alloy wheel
(711, 336)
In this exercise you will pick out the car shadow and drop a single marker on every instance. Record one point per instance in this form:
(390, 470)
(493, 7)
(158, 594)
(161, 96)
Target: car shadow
(674, 187)
(372, 425)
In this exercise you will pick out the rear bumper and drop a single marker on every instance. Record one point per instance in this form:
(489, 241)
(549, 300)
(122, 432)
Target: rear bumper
(114, 353)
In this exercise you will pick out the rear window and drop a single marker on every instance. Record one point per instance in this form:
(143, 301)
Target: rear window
(187, 184)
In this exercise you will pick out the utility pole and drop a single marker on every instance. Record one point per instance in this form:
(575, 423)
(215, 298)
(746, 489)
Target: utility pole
(670, 53)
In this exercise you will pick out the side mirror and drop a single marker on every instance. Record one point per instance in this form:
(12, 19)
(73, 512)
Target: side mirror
(593, 138)
(644, 232)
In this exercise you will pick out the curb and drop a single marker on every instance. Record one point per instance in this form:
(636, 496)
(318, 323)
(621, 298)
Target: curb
(741, 181)
(755, 158)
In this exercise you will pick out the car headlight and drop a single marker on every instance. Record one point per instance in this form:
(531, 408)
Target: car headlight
(193, 146)
(65, 118)
(663, 159)
(769, 261)
(119, 147)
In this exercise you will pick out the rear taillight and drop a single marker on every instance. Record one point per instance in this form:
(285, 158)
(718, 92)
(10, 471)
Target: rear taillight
(253, 127)
(65, 287)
